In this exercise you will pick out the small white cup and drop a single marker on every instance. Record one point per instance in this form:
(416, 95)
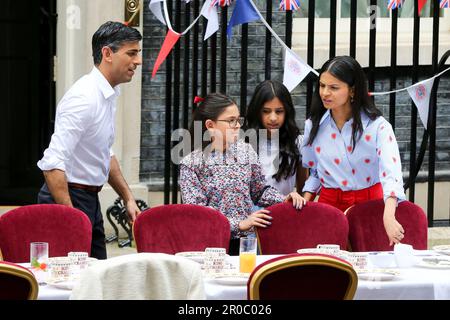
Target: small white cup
(382, 259)
(214, 260)
(60, 269)
(79, 262)
(404, 255)
(358, 259)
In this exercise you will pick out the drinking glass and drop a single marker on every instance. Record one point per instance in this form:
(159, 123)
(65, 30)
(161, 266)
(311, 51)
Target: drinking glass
(39, 255)
(39, 260)
(247, 254)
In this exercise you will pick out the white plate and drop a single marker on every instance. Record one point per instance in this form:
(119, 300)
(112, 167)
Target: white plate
(374, 275)
(443, 249)
(232, 280)
(197, 256)
(433, 265)
(65, 285)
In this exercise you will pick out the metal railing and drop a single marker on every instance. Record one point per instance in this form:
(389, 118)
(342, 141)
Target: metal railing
(199, 68)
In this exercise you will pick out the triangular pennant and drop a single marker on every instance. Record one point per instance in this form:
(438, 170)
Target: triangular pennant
(155, 7)
(421, 4)
(243, 12)
(210, 12)
(420, 94)
(169, 42)
(295, 70)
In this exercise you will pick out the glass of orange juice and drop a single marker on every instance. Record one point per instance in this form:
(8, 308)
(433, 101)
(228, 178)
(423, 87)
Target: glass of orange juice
(247, 254)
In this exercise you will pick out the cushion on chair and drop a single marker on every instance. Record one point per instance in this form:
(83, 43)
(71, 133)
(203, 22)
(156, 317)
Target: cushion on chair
(303, 277)
(141, 276)
(292, 229)
(366, 228)
(17, 282)
(65, 229)
(180, 227)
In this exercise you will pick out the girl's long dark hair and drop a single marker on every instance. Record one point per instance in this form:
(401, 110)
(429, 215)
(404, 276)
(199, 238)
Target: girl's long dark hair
(288, 133)
(211, 108)
(348, 70)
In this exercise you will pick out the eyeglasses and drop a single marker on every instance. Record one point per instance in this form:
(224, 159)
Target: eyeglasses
(234, 122)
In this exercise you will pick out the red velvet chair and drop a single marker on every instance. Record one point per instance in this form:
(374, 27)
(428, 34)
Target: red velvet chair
(65, 229)
(17, 282)
(292, 229)
(366, 228)
(303, 277)
(181, 227)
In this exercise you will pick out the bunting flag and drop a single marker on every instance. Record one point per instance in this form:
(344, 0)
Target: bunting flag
(210, 13)
(420, 94)
(295, 70)
(395, 4)
(243, 12)
(421, 4)
(169, 42)
(222, 3)
(155, 7)
(288, 5)
(444, 4)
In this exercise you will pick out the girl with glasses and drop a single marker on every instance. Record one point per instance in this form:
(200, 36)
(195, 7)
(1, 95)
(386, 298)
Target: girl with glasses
(223, 172)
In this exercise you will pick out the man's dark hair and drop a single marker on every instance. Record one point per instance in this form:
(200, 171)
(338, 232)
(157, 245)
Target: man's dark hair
(114, 35)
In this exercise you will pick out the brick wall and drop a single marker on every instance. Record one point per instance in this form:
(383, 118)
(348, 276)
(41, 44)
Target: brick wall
(153, 94)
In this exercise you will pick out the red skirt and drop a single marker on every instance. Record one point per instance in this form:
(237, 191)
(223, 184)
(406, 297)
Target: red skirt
(345, 199)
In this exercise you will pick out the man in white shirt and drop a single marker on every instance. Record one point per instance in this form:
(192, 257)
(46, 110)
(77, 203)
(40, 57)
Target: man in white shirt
(79, 159)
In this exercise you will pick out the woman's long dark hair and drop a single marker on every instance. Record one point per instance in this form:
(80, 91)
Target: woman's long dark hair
(211, 108)
(347, 70)
(288, 133)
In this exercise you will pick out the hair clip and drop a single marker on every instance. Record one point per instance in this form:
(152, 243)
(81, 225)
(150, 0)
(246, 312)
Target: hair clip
(198, 99)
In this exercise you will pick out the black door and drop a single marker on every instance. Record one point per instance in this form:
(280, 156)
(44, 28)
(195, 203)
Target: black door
(27, 95)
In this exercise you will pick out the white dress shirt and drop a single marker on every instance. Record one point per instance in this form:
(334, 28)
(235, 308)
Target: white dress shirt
(268, 152)
(376, 157)
(84, 131)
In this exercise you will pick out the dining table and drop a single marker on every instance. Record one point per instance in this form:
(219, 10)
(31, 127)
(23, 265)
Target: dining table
(418, 282)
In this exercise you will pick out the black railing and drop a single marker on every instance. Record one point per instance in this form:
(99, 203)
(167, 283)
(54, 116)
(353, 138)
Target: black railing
(196, 66)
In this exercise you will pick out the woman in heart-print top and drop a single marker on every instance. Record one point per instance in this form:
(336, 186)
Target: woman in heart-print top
(350, 147)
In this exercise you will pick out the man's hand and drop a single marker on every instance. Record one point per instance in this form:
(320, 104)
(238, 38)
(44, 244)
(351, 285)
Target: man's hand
(132, 210)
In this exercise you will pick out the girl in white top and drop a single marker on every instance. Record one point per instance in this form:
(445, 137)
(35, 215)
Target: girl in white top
(271, 113)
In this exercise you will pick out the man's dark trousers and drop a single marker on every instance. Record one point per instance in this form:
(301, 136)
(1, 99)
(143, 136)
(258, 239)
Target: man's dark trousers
(87, 202)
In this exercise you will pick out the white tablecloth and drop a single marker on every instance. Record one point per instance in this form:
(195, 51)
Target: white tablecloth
(412, 283)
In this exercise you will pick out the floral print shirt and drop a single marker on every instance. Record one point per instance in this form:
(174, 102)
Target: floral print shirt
(231, 182)
(376, 157)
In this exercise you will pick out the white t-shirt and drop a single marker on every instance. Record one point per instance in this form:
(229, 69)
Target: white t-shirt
(268, 152)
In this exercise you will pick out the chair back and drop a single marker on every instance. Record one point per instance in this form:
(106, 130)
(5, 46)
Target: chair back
(367, 232)
(303, 277)
(17, 282)
(65, 229)
(292, 229)
(181, 227)
(141, 276)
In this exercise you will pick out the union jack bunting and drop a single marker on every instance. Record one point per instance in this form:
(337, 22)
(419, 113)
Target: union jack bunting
(287, 5)
(394, 4)
(444, 4)
(221, 3)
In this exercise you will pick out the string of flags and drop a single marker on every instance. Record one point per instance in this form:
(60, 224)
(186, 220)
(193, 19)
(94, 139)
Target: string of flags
(295, 69)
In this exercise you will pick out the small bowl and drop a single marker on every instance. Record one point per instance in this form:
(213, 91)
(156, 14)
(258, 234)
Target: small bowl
(382, 259)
